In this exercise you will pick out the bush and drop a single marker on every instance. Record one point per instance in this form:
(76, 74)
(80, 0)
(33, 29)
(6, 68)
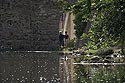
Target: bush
(103, 52)
(71, 43)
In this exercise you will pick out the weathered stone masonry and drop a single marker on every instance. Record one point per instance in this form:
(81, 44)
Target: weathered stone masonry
(29, 24)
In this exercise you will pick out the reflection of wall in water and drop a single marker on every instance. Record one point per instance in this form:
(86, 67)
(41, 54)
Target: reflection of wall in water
(29, 68)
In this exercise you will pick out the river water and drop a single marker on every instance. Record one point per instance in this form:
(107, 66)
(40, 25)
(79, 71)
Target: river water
(29, 67)
(100, 73)
(55, 67)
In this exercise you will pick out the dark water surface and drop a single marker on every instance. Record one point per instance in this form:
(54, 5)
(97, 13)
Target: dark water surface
(29, 67)
(100, 74)
(55, 67)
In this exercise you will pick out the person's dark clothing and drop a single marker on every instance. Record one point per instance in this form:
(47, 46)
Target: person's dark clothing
(61, 39)
(66, 36)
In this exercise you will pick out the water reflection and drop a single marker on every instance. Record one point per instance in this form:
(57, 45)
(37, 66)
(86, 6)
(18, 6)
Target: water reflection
(29, 67)
(55, 67)
(99, 73)
(92, 72)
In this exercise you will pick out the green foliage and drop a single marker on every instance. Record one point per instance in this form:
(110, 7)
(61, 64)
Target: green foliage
(90, 51)
(81, 11)
(83, 36)
(79, 24)
(102, 52)
(106, 18)
(107, 26)
(71, 43)
(64, 5)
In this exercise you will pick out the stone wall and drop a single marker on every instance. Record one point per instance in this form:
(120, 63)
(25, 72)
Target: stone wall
(29, 24)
